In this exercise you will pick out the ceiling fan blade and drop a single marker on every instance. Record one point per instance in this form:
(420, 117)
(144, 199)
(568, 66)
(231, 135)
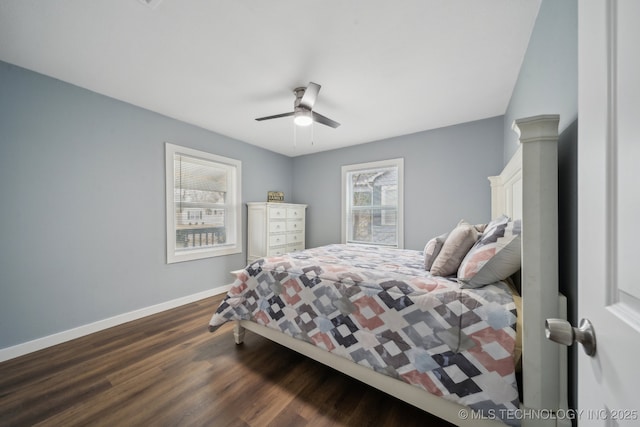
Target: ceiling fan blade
(324, 120)
(310, 96)
(277, 116)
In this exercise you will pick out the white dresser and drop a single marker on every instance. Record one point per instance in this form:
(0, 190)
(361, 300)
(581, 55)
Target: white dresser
(274, 229)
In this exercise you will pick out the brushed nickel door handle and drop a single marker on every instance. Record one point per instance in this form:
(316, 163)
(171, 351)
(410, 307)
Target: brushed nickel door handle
(561, 331)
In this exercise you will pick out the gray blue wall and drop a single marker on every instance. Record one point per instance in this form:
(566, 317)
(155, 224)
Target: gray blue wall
(445, 178)
(83, 206)
(83, 198)
(548, 79)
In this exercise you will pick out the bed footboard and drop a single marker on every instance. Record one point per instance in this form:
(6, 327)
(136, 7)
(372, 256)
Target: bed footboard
(452, 412)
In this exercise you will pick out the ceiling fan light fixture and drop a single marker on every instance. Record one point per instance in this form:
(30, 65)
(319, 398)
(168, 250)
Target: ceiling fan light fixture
(303, 113)
(302, 118)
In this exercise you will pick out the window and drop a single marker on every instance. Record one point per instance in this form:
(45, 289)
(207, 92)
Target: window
(203, 204)
(372, 200)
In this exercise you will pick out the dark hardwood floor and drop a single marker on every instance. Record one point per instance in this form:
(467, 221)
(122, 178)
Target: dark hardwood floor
(168, 370)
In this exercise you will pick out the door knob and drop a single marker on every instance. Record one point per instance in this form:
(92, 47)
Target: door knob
(561, 331)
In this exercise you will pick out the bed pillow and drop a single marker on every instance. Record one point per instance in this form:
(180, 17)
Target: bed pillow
(480, 228)
(455, 247)
(494, 257)
(432, 249)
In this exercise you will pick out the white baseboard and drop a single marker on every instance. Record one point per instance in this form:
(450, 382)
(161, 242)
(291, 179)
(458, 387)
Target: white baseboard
(70, 334)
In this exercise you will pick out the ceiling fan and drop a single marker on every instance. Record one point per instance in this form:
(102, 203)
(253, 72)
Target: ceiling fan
(303, 114)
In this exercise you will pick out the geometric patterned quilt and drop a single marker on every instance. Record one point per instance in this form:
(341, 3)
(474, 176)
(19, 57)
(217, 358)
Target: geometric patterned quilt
(381, 309)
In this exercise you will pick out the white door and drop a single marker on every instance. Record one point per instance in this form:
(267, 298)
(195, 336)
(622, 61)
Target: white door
(609, 210)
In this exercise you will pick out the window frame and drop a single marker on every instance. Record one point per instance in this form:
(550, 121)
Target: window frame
(233, 169)
(397, 163)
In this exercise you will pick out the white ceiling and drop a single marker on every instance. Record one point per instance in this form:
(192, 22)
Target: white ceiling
(386, 68)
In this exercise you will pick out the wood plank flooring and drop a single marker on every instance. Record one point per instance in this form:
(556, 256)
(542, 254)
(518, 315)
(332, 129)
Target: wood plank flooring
(168, 370)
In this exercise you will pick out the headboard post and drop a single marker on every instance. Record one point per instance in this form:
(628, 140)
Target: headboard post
(538, 142)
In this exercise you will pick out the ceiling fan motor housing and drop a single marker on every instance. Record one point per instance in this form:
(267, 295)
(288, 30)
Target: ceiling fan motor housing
(299, 93)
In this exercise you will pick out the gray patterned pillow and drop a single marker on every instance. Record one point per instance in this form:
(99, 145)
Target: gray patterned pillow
(495, 256)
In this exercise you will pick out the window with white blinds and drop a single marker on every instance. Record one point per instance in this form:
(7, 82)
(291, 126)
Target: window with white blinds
(372, 202)
(203, 204)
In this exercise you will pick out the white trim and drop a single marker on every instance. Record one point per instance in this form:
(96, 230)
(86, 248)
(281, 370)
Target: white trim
(70, 334)
(235, 193)
(398, 163)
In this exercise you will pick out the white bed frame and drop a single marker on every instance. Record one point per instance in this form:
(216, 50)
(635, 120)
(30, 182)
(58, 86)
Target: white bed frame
(526, 189)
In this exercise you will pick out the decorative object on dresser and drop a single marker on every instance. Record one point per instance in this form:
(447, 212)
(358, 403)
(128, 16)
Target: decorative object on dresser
(275, 196)
(274, 229)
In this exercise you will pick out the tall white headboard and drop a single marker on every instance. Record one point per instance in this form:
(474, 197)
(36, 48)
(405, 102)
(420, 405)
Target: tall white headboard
(506, 189)
(527, 189)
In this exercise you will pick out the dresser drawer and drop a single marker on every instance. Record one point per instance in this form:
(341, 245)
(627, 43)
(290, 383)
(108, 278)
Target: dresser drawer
(294, 247)
(295, 213)
(281, 250)
(295, 225)
(295, 238)
(277, 239)
(277, 212)
(278, 226)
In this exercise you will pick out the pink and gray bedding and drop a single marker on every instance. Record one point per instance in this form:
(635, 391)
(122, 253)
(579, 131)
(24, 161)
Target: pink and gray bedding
(379, 308)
